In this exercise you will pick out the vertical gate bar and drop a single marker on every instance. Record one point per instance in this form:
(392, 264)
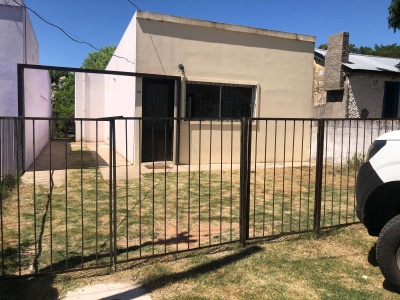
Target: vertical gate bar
(318, 174)
(189, 179)
(81, 178)
(165, 186)
(153, 184)
(348, 171)
(231, 184)
(341, 173)
(255, 179)
(51, 198)
(126, 189)
(110, 191)
(283, 176)
(220, 191)
(34, 195)
(114, 185)
(97, 192)
(309, 172)
(18, 128)
(1, 201)
(140, 121)
(199, 181)
(189, 154)
(209, 187)
(177, 192)
(265, 174)
(301, 173)
(274, 180)
(66, 193)
(244, 181)
(333, 170)
(355, 174)
(326, 168)
(291, 178)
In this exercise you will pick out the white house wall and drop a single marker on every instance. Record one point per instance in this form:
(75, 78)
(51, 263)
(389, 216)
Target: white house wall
(120, 93)
(37, 104)
(89, 103)
(12, 52)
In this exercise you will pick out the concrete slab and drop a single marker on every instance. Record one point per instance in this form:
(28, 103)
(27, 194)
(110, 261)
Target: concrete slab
(109, 291)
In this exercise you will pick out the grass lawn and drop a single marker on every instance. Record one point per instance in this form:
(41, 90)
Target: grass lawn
(335, 264)
(68, 227)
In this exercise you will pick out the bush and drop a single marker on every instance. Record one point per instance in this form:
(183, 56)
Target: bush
(7, 183)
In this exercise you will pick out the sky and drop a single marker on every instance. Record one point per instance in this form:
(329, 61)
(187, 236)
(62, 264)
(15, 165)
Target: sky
(103, 22)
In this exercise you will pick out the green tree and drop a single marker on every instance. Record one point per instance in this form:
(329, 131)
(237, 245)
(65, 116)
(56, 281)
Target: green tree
(394, 15)
(98, 60)
(63, 101)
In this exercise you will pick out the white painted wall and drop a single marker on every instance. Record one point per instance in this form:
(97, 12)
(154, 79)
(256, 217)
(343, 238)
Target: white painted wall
(18, 44)
(37, 104)
(120, 93)
(89, 103)
(11, 53)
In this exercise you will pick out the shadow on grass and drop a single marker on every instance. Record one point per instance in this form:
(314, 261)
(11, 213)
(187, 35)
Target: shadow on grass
(78, 261)
(28, 288)
(372, 256)
(160, 281)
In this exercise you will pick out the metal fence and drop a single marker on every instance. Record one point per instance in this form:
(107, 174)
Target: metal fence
(89, 203)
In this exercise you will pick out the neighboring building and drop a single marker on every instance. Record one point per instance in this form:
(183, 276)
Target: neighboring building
(19, 45)
(248, 72)
(348, 85)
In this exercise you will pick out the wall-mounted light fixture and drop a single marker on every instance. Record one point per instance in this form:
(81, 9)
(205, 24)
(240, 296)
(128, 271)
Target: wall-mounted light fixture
(181, 68)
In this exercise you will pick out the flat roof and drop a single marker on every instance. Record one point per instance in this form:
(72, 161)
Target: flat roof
(223, 26)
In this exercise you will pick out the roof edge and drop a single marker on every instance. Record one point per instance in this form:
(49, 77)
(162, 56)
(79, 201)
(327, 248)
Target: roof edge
(223, 26)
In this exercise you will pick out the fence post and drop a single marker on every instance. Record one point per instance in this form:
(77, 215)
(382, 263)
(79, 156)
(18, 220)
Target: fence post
(318, 174)
(245, 158)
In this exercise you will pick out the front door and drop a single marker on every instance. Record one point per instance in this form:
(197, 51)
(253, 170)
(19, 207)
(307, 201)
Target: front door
(158, 113)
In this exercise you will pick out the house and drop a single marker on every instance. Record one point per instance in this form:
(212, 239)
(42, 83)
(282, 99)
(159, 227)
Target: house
(348, 85)
(211, 70)
(19, 45)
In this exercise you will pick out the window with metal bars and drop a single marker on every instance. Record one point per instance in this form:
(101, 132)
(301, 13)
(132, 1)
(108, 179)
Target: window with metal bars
(208, 100)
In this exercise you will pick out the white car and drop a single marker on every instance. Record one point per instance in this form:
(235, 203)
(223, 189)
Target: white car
(378, 201)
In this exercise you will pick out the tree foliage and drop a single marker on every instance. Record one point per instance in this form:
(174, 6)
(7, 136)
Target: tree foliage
(98, 60)
(392, 50)
(63, 100)
(394, 15)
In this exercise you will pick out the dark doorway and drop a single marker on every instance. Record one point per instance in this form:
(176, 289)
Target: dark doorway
(157, 132)
(390, 100)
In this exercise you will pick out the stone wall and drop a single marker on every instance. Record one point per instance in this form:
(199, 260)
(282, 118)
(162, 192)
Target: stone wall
(337, 53)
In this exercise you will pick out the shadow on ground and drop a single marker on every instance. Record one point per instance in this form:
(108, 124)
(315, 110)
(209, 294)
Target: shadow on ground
(28, 288)
(161, 281)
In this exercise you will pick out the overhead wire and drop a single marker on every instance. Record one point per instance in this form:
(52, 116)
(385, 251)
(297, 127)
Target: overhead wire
(69, 35)
(134, 5)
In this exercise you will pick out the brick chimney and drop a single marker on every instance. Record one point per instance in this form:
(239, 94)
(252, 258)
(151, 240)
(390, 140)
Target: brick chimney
(337, 54)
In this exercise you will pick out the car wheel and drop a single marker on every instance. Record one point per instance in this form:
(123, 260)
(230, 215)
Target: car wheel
(388, 251)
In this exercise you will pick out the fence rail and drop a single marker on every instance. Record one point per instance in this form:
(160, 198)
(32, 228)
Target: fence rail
(133, 188)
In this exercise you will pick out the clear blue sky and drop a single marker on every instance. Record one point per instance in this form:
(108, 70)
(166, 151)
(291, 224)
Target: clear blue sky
(103, 22)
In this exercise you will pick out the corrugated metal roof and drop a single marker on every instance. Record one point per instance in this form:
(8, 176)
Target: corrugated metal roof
(360, 62)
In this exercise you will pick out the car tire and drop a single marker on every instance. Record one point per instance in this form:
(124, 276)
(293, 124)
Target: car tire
(388, 251)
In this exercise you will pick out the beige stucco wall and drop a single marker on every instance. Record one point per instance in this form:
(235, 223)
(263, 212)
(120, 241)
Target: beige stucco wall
(279, 65)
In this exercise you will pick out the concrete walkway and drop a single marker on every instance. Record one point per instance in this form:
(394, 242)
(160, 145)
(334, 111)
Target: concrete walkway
(109, 291)
(52, 167)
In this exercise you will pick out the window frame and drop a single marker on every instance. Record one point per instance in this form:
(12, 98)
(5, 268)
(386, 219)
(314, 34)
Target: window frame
(255, 90)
